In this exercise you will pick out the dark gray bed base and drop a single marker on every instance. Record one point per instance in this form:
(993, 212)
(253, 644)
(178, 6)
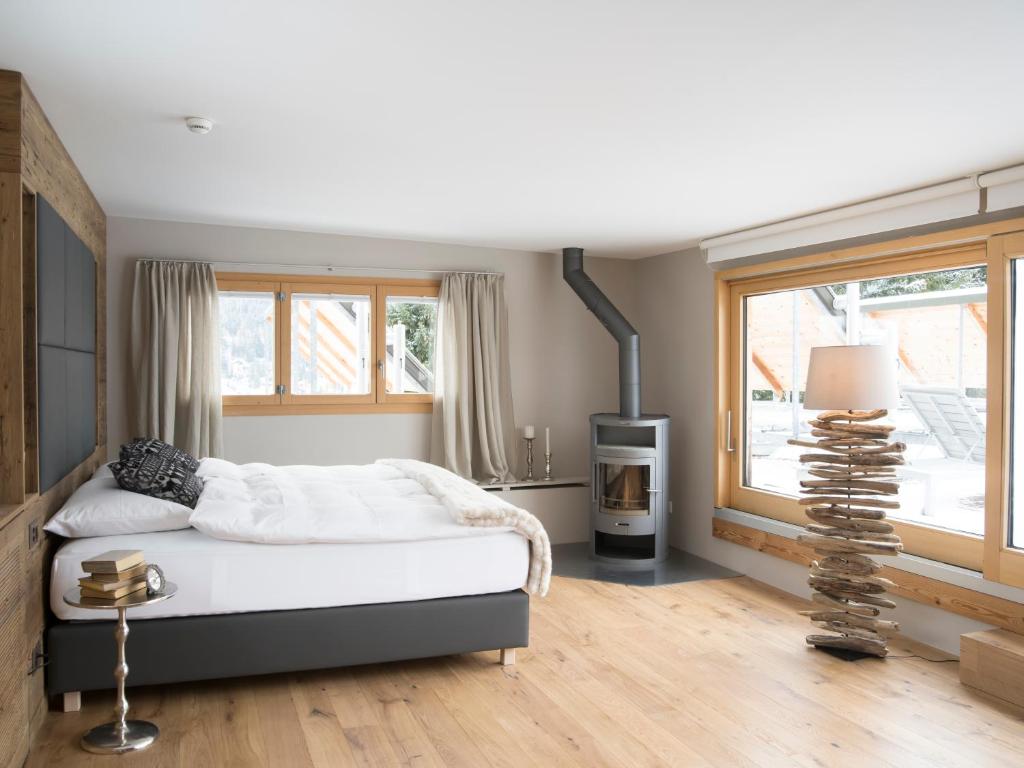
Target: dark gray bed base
(82, 654)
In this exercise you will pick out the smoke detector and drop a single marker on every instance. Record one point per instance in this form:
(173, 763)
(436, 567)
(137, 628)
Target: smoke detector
(199, 124)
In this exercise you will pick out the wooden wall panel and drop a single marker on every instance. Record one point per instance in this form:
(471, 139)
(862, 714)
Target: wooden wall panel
(37, 571)
(10, 122)
(29, 328)
(32, 161)
(48, 170)
(14, 703)
(12, 352)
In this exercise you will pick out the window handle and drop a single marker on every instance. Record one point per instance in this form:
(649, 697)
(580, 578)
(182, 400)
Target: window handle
(729, 445)
(380, 366)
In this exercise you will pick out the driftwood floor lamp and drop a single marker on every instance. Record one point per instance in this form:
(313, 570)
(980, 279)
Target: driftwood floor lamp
(851, 484)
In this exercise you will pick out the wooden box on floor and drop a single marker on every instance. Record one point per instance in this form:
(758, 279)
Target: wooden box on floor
(993, 662)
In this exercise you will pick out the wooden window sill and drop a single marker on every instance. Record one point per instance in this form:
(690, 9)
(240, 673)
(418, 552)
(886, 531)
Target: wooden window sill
(318, 409)
(1005, 609)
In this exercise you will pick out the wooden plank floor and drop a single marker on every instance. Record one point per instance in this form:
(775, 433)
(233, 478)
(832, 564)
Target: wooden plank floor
(711, 673)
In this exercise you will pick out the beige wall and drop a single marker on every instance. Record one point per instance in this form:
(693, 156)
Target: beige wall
(675, 321)
(563, 361)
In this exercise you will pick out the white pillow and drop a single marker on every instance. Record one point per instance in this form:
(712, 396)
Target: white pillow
(102, 508)
(103, 470)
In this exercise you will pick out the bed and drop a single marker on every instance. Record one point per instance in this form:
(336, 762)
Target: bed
(245, 607)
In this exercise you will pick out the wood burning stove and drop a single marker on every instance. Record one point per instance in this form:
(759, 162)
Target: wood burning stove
(628, 450)
(629, 489)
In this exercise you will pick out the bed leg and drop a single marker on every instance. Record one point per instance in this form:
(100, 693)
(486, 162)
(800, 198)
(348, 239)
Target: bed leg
(508, 657)
(71, 701)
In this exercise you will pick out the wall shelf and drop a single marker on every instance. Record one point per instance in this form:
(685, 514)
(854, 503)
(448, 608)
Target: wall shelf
(556, 482)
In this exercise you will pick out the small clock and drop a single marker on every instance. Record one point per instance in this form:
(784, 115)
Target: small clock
(155, 581)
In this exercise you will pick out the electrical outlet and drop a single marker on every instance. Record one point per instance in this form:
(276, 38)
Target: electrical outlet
(39, 659)
(33, 534)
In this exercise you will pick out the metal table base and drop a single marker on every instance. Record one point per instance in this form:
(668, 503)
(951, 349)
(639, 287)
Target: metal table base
(122, 735)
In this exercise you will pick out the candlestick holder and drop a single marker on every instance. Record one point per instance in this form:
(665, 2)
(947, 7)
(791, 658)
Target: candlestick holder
(529, 457)
(547, 465)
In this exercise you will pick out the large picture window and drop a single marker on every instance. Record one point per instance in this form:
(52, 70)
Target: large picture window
(295, 345)
(1004, 531)
(952, 317)
(934, 325)
(1015, 534)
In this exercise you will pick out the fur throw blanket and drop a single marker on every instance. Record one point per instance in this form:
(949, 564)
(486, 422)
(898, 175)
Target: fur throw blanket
(471, 505)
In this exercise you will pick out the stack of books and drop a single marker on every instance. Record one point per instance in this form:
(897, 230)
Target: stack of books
(112, 575)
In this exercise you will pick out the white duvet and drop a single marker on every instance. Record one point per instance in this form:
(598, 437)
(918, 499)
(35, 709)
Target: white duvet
(392, 500)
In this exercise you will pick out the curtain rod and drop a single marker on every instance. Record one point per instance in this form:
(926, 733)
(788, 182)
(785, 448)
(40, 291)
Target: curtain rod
(335, 268)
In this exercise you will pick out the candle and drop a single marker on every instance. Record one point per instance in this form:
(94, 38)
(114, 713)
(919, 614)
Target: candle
(547, 439)
(528, 432)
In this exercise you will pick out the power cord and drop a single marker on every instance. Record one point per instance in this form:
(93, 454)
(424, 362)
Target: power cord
(916, 656)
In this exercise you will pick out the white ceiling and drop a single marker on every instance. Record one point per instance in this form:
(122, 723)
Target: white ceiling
(630, 127)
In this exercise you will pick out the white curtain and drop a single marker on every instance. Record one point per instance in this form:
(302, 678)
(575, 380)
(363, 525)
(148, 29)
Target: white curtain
(175, 355)
(474, 428)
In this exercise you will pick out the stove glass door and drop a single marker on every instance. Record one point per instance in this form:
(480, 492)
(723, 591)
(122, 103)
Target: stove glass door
(624, 488)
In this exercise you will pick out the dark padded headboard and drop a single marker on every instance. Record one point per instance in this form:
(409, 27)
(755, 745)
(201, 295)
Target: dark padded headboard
(66, 309)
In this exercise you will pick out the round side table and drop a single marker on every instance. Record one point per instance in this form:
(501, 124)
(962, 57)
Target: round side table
(122, 735)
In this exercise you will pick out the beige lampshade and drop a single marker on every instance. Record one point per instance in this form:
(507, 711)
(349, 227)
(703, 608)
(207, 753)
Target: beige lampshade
(851, 378)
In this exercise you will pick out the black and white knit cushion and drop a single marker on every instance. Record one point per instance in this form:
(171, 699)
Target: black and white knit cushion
(159, 474)
(150, 445)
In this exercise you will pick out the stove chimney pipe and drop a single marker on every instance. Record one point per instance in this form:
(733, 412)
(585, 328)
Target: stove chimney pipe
(617, 325)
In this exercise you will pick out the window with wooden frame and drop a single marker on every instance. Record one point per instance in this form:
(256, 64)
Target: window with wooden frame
(301, 344)
(948, 315)
(1004, 532)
